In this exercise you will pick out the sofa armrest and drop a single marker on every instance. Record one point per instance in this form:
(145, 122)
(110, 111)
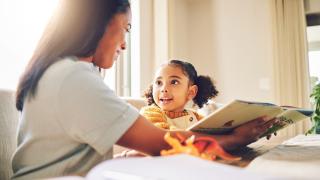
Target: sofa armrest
(136, 102)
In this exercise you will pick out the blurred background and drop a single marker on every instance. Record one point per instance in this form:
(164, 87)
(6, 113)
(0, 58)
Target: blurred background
(266, 50)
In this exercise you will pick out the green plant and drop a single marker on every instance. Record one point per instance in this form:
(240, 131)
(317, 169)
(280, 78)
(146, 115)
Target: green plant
(315, 95)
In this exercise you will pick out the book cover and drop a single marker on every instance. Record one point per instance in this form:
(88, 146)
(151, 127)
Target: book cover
(239, 112)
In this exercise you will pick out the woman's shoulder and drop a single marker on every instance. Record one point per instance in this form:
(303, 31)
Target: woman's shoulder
(71, 69)
(68, 75)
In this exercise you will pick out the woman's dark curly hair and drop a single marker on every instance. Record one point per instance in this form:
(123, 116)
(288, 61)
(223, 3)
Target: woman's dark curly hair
(206, 88)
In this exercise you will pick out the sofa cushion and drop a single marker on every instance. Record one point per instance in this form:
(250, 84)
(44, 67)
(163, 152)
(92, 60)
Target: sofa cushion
(8, 128)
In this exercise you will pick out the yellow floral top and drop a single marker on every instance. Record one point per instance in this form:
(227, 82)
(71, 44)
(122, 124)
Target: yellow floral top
(170, 120)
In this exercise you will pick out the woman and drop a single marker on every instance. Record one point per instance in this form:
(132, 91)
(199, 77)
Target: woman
(70, 118)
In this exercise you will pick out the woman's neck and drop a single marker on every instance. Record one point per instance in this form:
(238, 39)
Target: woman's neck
(86, 59)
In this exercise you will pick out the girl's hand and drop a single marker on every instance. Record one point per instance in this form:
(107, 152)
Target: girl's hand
(253, 130)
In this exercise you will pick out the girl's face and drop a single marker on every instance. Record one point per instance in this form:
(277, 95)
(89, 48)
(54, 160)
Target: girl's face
(172, 89)
(113, 40)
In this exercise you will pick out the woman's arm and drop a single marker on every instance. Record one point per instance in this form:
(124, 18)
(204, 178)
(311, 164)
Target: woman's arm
(145, 137)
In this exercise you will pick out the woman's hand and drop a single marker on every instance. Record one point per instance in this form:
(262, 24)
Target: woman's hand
(269, 136)
(253, 130)
(143, 136)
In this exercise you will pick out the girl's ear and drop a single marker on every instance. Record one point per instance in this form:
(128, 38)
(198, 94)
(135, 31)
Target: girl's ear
(192, 92)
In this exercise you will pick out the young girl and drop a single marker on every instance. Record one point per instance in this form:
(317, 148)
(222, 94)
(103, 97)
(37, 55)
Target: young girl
(175, 84)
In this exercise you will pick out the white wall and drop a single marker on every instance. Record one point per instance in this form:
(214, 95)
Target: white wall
(229, 40)
(21, 26)
(153, 39)
(312, 6)
(160, 31)
(178, 29)
(191, 33)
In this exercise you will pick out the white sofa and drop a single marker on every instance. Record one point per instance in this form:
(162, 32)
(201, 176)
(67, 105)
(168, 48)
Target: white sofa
(136, 102)
(8, 127)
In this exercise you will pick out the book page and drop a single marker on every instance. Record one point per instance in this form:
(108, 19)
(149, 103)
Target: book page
(181, 166)
(232, 115)
(286, 118)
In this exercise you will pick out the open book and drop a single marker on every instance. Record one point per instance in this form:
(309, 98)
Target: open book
(180, 166)
(238, 112)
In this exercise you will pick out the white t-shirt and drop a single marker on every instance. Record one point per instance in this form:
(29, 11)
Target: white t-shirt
(71, 124)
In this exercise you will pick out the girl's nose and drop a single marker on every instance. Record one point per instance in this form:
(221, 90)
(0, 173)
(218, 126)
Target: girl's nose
(164, 89)
(123, 46)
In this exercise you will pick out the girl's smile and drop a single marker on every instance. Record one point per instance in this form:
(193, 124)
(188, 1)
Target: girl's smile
(165, 101)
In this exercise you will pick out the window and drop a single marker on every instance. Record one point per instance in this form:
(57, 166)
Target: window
(313, 34)
(124, 76)
(314, 66)
(22, 27)
(118, 77)
(20, 30)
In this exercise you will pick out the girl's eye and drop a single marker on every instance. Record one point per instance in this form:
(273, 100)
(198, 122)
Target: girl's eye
(174, 82)
(158, 83)
(128, 28)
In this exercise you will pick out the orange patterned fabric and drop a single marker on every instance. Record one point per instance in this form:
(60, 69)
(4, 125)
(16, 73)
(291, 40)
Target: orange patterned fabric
(159, 118)
(172, 115)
